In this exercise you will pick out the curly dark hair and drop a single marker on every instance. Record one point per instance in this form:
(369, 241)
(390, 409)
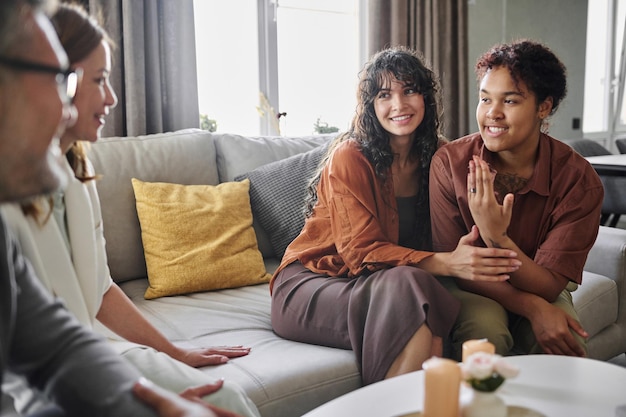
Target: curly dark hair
(529, 62)
(407, 66)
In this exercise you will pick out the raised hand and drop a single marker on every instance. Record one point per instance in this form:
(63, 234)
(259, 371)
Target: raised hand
(492, 218)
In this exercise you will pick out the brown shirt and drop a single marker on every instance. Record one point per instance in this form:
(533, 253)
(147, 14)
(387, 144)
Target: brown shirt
(354, 227)
(555, 216)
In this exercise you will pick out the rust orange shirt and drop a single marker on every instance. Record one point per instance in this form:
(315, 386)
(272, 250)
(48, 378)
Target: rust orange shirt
(555, 216)
(354, 227)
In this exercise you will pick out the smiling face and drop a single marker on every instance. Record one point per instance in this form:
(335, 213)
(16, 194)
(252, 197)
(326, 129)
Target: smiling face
(33, 112)
(94, 98)
(508, 114)
(399, 108)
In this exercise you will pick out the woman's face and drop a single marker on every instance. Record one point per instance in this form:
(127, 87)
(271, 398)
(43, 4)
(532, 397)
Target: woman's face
(94, 97)
(508, 115)
(399, 108)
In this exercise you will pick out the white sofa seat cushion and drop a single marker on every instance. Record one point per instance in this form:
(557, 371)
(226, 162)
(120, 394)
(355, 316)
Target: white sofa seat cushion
(272, 374)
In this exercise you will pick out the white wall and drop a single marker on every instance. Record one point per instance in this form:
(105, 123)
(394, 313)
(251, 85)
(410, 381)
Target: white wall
(560, 24)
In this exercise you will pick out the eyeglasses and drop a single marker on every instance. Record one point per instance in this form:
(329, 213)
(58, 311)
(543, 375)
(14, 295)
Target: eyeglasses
(67, 80)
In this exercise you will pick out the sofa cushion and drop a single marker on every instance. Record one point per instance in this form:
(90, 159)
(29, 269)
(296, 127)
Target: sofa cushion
(282, 377)
(182, 157)
(197, 237)
(277, 194)
(237, 155)
(596, 302)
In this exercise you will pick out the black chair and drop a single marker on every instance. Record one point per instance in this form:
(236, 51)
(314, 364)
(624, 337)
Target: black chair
(588, 147)
(614, 203)
(621, 145)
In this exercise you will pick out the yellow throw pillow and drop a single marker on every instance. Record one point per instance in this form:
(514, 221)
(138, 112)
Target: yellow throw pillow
(197, 237)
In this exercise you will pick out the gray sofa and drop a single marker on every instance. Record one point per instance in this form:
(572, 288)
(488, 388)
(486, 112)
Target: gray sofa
(282, 377)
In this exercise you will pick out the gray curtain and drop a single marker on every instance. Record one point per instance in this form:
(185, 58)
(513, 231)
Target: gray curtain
(154, 65)
(438, 28)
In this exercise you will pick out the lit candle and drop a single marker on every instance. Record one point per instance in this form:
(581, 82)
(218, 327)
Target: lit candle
(477, 345)
(442, 381)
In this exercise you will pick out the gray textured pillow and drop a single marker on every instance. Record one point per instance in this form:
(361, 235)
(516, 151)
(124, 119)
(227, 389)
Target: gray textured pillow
(277, 194)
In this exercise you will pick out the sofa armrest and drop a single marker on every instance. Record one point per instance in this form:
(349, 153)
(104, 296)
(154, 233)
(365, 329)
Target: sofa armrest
(608, 258)
(608, 255)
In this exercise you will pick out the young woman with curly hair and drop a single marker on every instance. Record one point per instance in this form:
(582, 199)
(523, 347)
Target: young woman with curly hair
(525, 191)
(360, 275)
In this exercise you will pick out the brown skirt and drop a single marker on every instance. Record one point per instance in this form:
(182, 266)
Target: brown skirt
(375, 315)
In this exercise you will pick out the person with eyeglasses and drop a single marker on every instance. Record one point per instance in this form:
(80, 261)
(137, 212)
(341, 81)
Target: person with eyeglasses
(39, 338)
(67, 80)
(62, 236)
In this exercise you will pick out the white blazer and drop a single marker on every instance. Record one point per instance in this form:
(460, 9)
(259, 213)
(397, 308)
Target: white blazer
(82, 277)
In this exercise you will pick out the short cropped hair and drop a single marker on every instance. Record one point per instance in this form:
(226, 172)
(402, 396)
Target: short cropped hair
(533, 64)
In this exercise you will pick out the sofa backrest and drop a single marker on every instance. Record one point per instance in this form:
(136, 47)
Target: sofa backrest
(238, 154)
(190, 156)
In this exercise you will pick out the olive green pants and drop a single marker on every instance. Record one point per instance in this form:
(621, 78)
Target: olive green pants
(481, 317)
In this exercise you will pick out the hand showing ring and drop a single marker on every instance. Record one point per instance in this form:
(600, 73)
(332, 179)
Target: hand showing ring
(472, 190)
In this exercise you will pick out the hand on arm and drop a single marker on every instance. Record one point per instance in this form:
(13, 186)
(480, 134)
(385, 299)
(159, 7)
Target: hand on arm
(121, 316)
(473, 263)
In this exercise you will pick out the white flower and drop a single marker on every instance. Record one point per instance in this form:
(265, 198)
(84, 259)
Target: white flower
(479, 365)
(486, 371)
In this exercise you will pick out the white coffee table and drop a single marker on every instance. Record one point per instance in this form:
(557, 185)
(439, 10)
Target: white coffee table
(554, 386)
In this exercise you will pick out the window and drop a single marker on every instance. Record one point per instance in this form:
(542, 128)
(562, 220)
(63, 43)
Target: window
(605, 33)
(260, 58)
(620, 65)
(228, 64)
